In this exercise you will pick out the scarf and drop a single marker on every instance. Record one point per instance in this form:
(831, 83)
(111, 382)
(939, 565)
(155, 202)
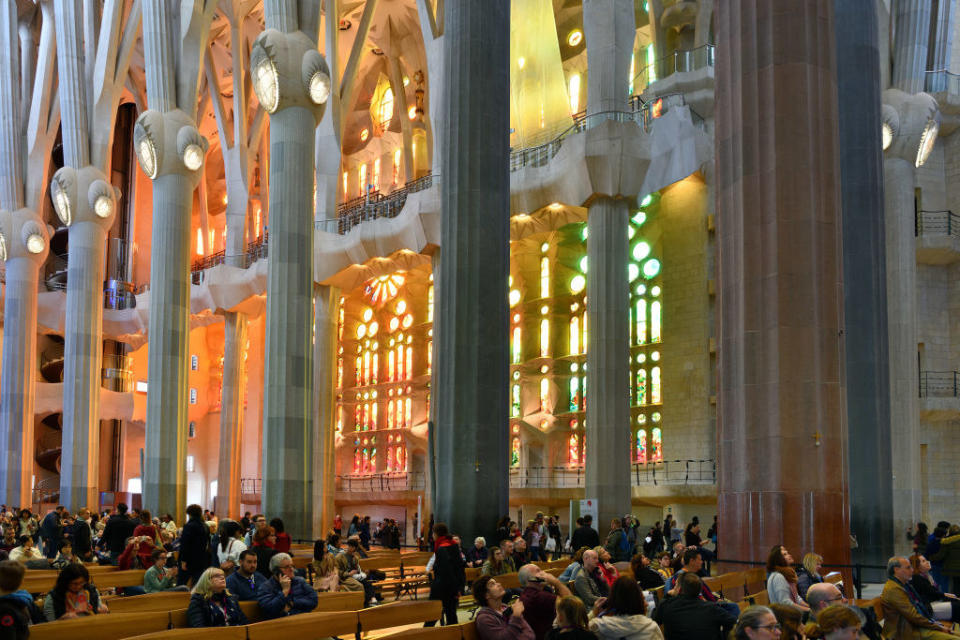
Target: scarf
(443, 541)
(791, 576)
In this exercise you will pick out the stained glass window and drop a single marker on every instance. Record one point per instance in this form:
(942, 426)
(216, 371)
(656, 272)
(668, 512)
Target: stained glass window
(545, 277)
(544, 338)
(574, 335)
(655, 386)
(641, 386)
(515, 452)
(641, 455)
(574, 393)
(545, 395)
(573, 450)
(515, 401)
(657, 455)
(517, 345)
(655, 322)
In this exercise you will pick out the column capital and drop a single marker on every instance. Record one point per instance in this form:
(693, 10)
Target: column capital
(84, 195)
(288, 71)
(23, 235)
(910, 125)
(169, 143)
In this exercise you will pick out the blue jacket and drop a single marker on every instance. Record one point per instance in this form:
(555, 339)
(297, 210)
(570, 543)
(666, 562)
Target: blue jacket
(242, 588)
(50, 525)
(302, 598)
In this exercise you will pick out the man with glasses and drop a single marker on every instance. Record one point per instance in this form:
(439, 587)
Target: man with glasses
(285, 594)
(822, 595)
(904, 611)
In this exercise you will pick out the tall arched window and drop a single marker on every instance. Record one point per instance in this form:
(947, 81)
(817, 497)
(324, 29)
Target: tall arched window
(515, 452)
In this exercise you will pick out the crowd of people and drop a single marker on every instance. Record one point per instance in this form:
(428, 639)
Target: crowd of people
(223, 562)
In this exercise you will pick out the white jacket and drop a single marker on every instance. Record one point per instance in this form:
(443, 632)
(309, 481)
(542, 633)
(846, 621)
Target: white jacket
(234, 549)
(638, 627)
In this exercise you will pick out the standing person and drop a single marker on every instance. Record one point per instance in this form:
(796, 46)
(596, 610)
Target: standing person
(656, 538)
(448, 570)
(365, 533)
(245, 522)
(553, 531)
(116, 532)
(532, 538)
(949, 555)
(496, 621)
(51, 532)
(338, 525)
(933, 546)
(230, 546)
(354, 525)
(616, 544)
(713, 535)
(194, 547)
(212, 605)
(503, 529)
(82, 535)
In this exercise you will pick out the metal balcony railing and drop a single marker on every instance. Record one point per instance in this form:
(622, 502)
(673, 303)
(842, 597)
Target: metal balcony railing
(939, 384)
(936, 223)
(671, 472)
(250, 485)
(942, 81)
(256, 250)
(386, 481)
(680, 61)
(372, 206)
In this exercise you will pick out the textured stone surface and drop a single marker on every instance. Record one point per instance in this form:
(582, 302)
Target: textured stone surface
(608, 26)
(864, 277)
(325, 344)
(780, 301)
(288, 370)
(911, 43)
(608, 361)
(471, 370)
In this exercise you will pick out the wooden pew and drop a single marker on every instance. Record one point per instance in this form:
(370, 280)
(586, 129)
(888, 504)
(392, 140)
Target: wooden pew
(760, 597)
(733, 586)
(339, 601)
(163, 601)
(178, 618)
(305, 626)
(451, 632)
(111, 626)
(509, 580)
(397, 614)
(206, 633)
(252, 610)
(468, 630)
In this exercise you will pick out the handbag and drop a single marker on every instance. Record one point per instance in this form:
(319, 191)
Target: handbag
(551, 544)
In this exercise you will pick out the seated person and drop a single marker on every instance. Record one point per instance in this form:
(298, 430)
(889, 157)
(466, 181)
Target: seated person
(539, 597)
(904, 613)
(622, 615)
(65, 556)
(478, 553)
(285, 594)
(263, 541)
(9, 539)
(348, 566)
(211, 605)
(16, 605)
(495, 566)
(945, 606)
(72, 595)
(688, 616)
(589, 585)
(324, 568)
(571, 621)
(571, 571)
(160, 577)
(509, 564)
(495, 621)
(26, 551)
(647, 577)
(246, 580)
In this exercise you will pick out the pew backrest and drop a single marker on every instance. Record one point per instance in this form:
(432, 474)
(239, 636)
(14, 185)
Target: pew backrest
(396, 614)
(111, 626)
(339, 601)
(205, 633)
(162, 601)
(451, 632)
(305, 626)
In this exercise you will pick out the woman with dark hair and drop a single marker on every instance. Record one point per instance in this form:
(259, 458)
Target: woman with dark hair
(263, 545)
(282, 545)
(448, 573)
(494, 564)
(194, 544)
(72, 595)
(326, 575)
(622, 614)
(496, 621)
(333, 544)
(945, 606)
(354, 528)
(646, 577)
(782, 581)
(230, 545)
(918, 539)
(150, 538)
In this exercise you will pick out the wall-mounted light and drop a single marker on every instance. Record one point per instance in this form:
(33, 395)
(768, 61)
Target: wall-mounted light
(33, 237)
(266, 83)
(575, 37)
(927, 139)
(3, 248)
(193, 157)
(62, 187)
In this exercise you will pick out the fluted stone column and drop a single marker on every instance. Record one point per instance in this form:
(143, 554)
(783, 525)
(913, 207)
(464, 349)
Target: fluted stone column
(326, 310)
(172, 51)
(608, 360)
(864, 277)
(781, 376)
(608, 26)
(911, 44)
(609, 29)
(471, 310)
(75, 188)
(288, 370)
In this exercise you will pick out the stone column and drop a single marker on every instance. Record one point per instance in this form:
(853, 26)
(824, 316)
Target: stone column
(472, 370)
(781, 377)
(910, 47)
(608, 360)
(171, 152)
(326, 311)
(294, 111)
(609, 29)
(608, 26)
(901, 285)
(19, 365)
(864, 276)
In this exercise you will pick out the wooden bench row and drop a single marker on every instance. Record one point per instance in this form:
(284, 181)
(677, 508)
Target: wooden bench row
(172, 600)
(158, 625)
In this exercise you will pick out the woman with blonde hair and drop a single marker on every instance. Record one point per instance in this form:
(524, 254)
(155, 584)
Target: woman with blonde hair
(571, 621)
(809, 573)
(836, 622)
(211, 605)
